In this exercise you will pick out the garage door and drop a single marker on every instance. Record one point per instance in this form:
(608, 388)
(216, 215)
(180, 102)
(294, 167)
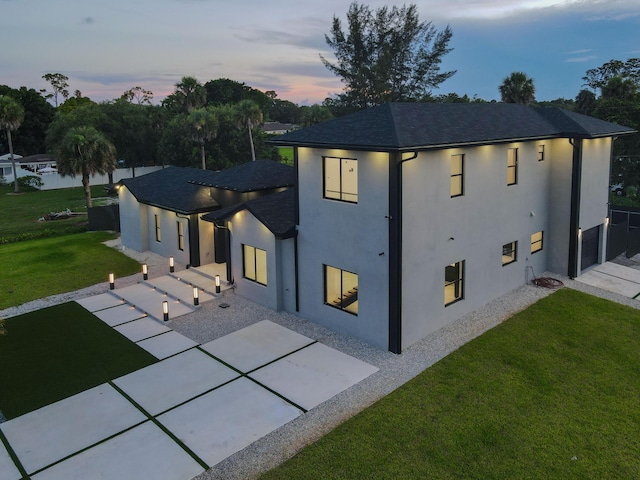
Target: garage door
(590, 247)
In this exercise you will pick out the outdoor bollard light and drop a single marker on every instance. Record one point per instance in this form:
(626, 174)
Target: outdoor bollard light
(165, 310)
(145, 272)
(196, 300)
(171, 267)
(112, 281)
(217, 283)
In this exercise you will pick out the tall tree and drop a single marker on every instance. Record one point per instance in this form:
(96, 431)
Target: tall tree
(38, 114)
(585, 102)
(315, 114)
(518, 88)
(11, 116)
(386, 56)
(597, 78)
(86, 152)
(224, 91)
(189, 95)
(203, 123)
(248, 115)
(138, 95)
(59, 84)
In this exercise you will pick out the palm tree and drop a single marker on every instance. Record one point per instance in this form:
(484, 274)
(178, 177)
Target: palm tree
(203, 123)
(190, 94)
(315, 114)
(11, 116)
(87, 152)
(517, 88)
(248, 114)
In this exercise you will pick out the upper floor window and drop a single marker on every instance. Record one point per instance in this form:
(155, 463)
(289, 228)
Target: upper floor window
(540, 153)
(341, 179)
(453, 279)
(157, 221)
(255, 264)
(512, 166)
(509, 253)
(180, 236)
(457, 175)
(341, 289)
(536, 242)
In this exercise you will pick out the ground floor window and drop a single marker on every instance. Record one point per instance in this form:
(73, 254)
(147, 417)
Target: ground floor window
(453, 282)
(180, 235)
(157, 220)
(536, 242)
(255, 264)
(341, 289)
(509, 253)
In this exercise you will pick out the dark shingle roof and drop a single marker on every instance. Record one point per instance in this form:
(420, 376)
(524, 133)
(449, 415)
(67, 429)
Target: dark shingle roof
(252, 177)
(398, 126)
(170, 189)
(275, 211)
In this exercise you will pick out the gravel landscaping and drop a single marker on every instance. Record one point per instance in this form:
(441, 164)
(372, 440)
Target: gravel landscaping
(210, 321)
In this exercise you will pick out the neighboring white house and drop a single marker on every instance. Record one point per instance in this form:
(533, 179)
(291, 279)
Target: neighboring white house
(406, 217)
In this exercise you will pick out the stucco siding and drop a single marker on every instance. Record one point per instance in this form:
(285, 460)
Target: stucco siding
(133, 222)
(247, 230)
(206, 242)
(285, 250)
(348, 236)
(168, 244)
(438, 230)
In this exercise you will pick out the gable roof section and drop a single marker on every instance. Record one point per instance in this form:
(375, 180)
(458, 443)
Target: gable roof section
(170, 189)
(408, 126)
(275, 211)
(251, 177)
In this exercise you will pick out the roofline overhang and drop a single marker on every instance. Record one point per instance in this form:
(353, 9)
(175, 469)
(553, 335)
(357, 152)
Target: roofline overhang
(203, 184)
(177, 210)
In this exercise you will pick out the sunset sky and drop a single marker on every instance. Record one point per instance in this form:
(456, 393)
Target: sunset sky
(106, 48)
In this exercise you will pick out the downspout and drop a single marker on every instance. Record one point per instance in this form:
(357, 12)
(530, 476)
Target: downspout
(296, 195)
(395, 249)
(227, 248)
(574, 218)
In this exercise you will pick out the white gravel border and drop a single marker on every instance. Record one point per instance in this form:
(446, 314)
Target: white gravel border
(209, 322)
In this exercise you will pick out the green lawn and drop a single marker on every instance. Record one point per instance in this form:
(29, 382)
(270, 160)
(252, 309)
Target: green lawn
(20, 213)
(37, 268)
(287, 155)
(554, 392)
(57, 352)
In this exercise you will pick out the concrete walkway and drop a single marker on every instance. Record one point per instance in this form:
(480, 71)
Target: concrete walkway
(614, 278)
(175, 419)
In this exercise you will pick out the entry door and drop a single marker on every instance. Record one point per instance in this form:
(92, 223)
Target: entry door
(220, 244)
(590, 247)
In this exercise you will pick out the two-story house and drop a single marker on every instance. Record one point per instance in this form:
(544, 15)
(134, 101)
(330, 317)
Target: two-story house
(405, 217)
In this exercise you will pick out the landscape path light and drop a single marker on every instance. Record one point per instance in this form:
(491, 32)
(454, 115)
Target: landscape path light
(145, 272)
(171, 265)
(165, 311)
(217, 283)
(196, 300)
(112, 281)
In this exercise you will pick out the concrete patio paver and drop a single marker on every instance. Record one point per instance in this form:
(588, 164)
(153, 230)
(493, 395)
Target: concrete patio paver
(313, 375)
(56, 431)
(100, 302)
(142, 452)
(256, 345)
(118, 315)
(8, 470)
(178, 289)
(140, 329)
(224, 421)
(148, 300)
(167, 344)
(613, 278)
(197, 279)
(168, 383)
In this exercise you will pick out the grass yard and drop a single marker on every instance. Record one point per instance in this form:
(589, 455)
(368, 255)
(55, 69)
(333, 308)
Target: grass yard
(287, 155)
(37, 268)
(20, 213)
(554, 392)
(57, 352)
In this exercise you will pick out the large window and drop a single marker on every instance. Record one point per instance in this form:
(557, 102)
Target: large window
(453, 279)
(457, 175)
(255, 264)
(512, 166)
(341, 289)
(157, 220)
(540, 153)
(536, 242)
(341, 179)
(509, 253)
(180, 235)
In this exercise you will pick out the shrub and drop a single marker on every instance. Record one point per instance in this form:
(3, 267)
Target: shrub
(30, 181)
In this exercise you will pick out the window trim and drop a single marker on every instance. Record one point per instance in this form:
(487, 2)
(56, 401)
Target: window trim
(537, 242)
(341, 193)
(180, 236)
(459, 282)
(513, 251)
(158, 229)
(341, 306)
(255, 264)
(541, 152)
(456, 175)
(513, 166)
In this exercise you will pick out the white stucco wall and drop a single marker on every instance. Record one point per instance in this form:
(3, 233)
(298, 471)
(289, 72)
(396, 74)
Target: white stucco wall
(205, 230)
(168, 244)
(353, 237)
(133, 222)
(438, 230)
